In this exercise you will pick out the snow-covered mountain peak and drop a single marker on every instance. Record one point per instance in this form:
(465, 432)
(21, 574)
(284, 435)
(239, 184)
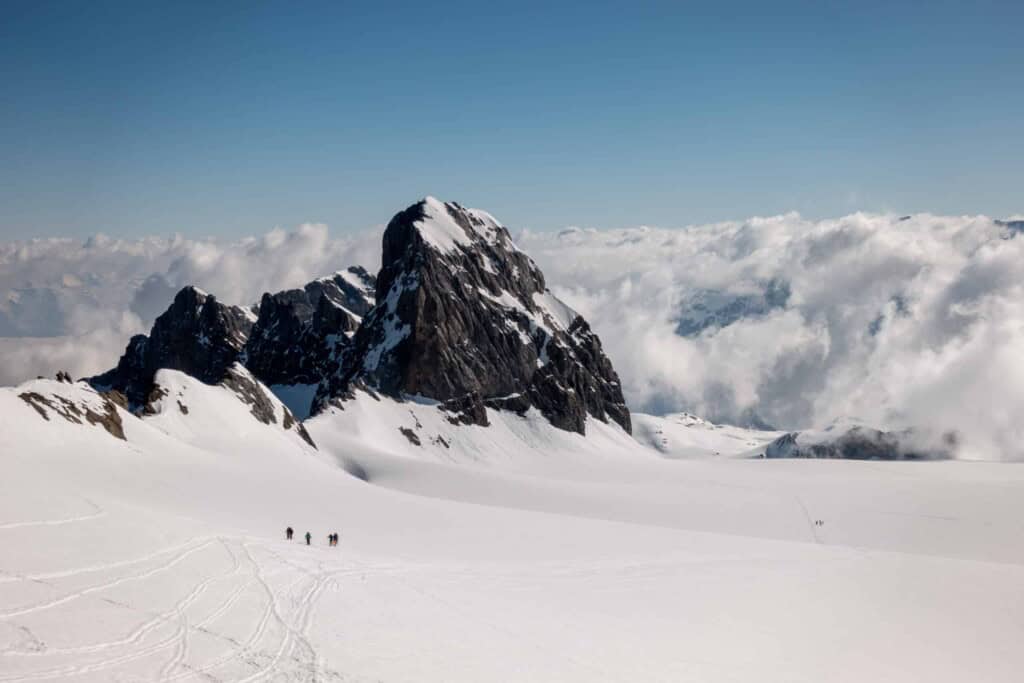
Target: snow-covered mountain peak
(464, 317)
(458, 314)
(446, 225)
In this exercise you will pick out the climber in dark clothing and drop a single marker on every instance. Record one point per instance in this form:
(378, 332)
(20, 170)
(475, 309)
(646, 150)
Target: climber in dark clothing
(309, 537)
(288, 533)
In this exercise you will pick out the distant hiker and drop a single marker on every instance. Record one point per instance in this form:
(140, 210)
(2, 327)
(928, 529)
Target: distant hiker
(288, 533)
(309, 537)
(335, 539)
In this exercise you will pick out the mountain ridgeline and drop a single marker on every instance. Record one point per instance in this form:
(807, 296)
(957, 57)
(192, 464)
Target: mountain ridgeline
(457, 315)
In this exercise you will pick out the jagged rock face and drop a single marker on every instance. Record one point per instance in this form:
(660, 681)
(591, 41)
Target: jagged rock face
(197, 335)
(281, 349)
(351, 291)
(464, 316)
(299, 331)
(859, 443)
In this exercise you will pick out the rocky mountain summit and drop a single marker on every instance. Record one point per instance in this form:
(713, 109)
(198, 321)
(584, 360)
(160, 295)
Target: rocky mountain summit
(458, 315)
(197, 335)
(465, 318)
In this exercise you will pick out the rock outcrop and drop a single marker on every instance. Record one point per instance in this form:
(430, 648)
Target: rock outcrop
(299, 332)
(465, 318)
(76, 402)
(197, 335)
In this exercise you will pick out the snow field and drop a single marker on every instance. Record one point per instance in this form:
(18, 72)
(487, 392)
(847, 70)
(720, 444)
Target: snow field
(548, 558)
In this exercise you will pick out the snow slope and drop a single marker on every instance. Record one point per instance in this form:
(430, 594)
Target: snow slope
(161, 556)
(682, 435)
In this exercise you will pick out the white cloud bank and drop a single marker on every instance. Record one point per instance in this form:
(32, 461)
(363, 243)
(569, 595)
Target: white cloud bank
(897, 322)
(782, 320)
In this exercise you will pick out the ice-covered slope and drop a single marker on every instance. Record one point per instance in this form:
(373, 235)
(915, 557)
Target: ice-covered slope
(161, 557)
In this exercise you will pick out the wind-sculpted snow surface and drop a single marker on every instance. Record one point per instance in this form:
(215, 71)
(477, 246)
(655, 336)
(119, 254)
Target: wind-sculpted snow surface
(465, 317)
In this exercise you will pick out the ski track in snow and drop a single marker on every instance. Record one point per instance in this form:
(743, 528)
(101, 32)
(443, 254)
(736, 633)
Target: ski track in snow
(97, 512)
(290, 607)
(575, 560)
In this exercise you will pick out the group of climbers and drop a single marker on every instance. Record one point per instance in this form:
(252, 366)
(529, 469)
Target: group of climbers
(332, 539)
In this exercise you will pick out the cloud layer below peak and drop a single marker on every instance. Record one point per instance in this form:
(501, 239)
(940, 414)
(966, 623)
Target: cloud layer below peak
(896, 321)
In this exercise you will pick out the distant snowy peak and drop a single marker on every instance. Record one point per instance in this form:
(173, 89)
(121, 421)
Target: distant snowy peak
(465, 318)
(197, 335)
(850, 440)
(705, 309)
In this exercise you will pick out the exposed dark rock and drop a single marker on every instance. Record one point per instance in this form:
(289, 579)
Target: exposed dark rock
(299, 334)
(247, 389)
(351, 290)
(77, 413)
(196, 335)
(117, 398)
(155, 395)
(468, 409)
(282, 348)
(516, 403)
(411, 435)
(461, 311)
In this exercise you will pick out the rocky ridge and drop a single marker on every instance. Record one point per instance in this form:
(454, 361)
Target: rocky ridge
(298, 332)
(457, 315)
(197, 335)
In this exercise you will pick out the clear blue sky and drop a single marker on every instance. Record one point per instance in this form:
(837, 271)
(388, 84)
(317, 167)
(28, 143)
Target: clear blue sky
(229, 119)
